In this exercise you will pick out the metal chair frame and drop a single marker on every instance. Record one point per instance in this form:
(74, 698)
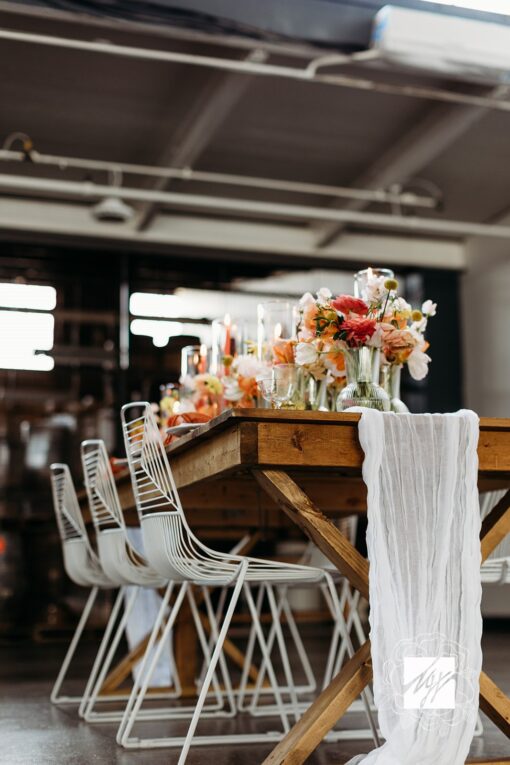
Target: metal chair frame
(174, 551)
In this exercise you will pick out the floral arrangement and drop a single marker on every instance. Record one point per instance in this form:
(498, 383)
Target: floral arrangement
(201, 393)
(240, 386)
(331, 327)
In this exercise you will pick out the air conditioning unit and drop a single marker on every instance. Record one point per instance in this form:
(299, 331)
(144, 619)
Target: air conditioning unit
(452, 45)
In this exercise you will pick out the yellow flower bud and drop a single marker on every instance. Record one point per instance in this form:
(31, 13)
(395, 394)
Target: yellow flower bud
(391, 285)
(416, 315)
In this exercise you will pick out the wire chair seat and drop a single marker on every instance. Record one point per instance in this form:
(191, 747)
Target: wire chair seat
(81, 563)
(119, 559)
(83, 566)
(173, 549)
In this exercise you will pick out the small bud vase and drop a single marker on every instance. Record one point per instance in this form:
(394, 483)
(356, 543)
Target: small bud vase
(362, 369)
(390, 381)
(317, 394)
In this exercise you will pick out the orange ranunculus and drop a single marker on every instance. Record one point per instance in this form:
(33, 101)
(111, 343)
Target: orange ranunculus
(397, 343)
(283, 351)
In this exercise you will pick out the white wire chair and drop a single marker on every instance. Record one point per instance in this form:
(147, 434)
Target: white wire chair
(172, 548)
(125, 563)
(81, 563)
(119, 559)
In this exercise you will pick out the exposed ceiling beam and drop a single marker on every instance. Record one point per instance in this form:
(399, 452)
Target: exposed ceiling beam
(48, 221)
(249, 209)
(440, 128)
(221, 94)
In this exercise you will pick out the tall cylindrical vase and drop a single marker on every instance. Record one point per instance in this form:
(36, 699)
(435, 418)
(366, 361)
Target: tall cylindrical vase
(361, 366)
(390, 381)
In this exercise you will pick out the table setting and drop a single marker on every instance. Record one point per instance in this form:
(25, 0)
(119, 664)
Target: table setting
(309, 413)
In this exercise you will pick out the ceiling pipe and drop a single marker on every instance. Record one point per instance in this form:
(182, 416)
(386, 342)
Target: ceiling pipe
(307, 74)
(90, 192)
(187, 174)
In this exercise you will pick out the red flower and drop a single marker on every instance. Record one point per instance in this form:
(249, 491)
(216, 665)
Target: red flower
(357, 330)
(347, 304)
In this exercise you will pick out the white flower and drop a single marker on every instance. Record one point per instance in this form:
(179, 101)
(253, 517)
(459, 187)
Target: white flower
(429, 308)
(306, 299)
(323, 295)
(418, 363)
(232, 391)
(187, 382)
(306, 353)
(248, 365)
(401, 305)
(374, 290)
(418, 328)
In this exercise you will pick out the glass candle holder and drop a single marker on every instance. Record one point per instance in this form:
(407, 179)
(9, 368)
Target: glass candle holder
(227, 342)
(195, 360)
(362, 277)
(277, 320)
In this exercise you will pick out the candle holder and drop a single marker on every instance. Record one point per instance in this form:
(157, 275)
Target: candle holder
(195, 360)
(361, 278)
(227, 342)
(277, 320)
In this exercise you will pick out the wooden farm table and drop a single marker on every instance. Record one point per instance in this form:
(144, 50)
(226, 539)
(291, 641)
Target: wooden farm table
(307, 462)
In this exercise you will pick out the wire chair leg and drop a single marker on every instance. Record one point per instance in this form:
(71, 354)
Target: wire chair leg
(222, 661)
(267, 660)
(329, 672)
(296, 637)
(205, 645)
(131, 718)
(54, 697)
(101, 650)
(283, 650)
(219, 612)
(338, 615)
(88, 716)
(214, 660)
(248, 656)
(147, 654)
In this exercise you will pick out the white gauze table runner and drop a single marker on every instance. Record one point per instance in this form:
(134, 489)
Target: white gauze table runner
(424, 551)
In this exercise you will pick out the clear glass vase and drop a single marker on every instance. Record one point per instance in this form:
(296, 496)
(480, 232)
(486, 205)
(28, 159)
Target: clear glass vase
(362, 368)
(390, 381)
(317, 394)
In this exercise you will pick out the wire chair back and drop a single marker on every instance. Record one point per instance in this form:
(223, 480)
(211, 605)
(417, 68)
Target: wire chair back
(153, 483)
(100, 485)
(67, 508)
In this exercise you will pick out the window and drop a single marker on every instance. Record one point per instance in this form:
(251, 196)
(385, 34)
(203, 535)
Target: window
(158, 309)
(27, 329)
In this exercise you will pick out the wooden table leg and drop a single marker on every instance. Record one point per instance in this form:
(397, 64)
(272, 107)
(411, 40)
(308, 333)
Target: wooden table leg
(318, 720)
(322, 715)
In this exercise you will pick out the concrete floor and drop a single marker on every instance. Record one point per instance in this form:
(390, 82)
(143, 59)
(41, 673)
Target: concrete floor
(33, 732)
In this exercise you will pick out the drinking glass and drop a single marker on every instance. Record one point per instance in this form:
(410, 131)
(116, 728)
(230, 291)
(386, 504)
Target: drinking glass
(266, 385)
(285, 385)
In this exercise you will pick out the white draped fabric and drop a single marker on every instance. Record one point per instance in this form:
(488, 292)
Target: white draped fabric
(141, 619)
(425, 591)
